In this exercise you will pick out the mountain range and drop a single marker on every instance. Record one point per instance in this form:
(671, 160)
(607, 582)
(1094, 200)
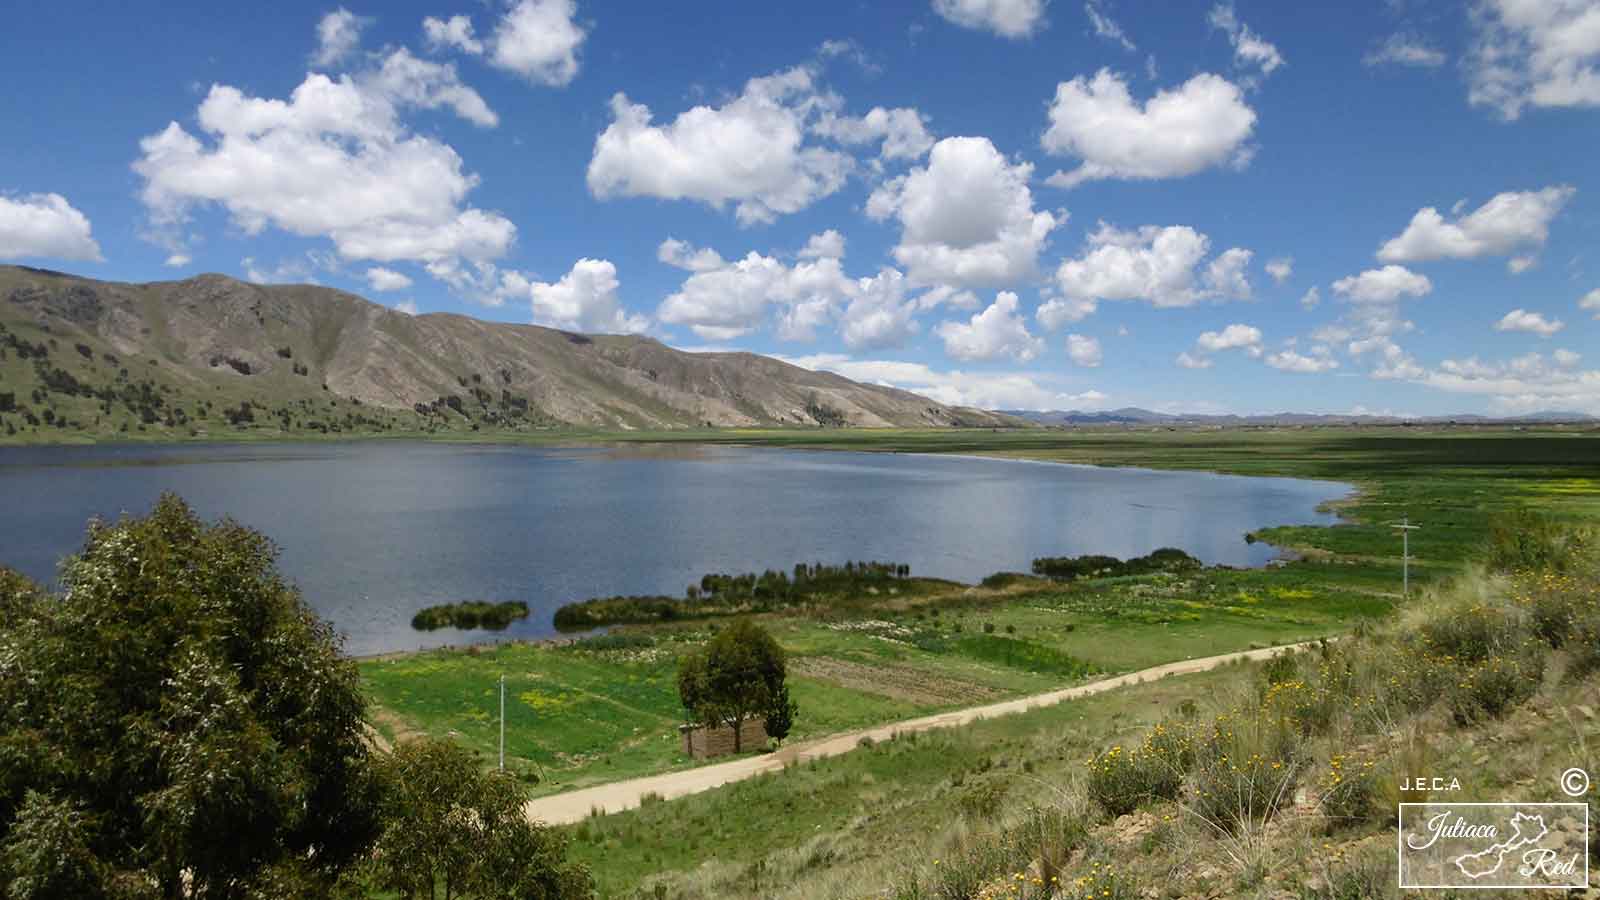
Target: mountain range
(212, 351)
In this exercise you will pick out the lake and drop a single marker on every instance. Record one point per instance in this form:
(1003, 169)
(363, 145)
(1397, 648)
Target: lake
(373, 531)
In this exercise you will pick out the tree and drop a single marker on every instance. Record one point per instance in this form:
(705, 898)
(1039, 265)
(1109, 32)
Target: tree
(738, 675)
(177, 718)
(780, 715)
(451, 826)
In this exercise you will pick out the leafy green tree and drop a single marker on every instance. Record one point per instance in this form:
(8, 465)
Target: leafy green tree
(177, 719)
(453, 829)
(780, 715)
(47, 853)
(738, 675)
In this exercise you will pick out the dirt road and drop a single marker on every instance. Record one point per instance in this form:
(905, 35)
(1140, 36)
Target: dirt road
(573, 806)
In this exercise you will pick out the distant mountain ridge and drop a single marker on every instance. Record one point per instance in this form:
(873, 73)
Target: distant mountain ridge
(1132, 415)
(293, 352)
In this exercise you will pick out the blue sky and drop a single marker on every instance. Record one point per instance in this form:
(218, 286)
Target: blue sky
(1245, 207)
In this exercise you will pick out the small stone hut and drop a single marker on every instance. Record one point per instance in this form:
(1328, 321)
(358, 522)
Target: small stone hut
(700, 742)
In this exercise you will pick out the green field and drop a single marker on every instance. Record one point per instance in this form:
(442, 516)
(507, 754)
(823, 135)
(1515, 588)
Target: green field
(607, 709)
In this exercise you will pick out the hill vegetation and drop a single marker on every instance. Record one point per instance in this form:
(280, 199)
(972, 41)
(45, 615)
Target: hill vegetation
(214, 357)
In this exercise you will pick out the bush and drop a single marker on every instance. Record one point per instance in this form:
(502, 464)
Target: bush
(1489, 689)
(1349, 791)
(1555, 602)
(447, 821)
(1121, 780)
(1311, 708)
(1469, 635)
(982, 800)
(1282, 667)
(1584, 648)
(1001, 580)
(1526, 541)
(1246, 768)
(1048, 836)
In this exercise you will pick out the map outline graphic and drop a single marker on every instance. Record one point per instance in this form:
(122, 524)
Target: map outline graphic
(1578, 809)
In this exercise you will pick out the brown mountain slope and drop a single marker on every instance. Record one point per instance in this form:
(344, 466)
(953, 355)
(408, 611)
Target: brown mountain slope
(206, 345)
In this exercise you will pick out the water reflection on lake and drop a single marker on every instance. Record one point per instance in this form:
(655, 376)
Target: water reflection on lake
(373, 531)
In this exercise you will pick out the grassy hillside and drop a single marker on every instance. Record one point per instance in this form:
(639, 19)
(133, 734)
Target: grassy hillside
(211, 357)
(1273, 780)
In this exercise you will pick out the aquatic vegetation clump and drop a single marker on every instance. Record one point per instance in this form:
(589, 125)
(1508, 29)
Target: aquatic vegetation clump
(1166, 559)
(469, 615)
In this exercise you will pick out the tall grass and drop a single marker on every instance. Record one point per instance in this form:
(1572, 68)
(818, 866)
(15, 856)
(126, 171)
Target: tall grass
(1328, 735)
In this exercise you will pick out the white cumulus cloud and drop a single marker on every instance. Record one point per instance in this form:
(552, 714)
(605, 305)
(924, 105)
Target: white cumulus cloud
(1529, 322)
(456, 32)
(879, 314)
(1591, 302)
(825, 245)
(1237, 336)
(902, 133)
(584, 299)
(1506, 222)
(1154, 264)
(1178, 132)
(1059, 311)
(1531, 53)
(338, 35)
(751, 152)
(335, 160)
(985, 390)
(383, 279)
(967, 218)
(1084, 350)
(44, 225)
(1228, 275)
(721, 300)
(1383, 286)
(998, 331)
(1007, 18)
(539, 40)
(1281, 268)
(1523, 384)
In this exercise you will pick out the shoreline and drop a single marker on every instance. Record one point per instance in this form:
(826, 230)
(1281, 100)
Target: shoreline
(1353, 492)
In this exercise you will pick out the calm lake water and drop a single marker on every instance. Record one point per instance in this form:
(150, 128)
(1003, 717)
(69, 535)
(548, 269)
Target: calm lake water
(371, 532)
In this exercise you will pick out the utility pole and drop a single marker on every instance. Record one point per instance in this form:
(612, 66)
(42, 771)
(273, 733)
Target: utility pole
(1405, 528)
(502, 723)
